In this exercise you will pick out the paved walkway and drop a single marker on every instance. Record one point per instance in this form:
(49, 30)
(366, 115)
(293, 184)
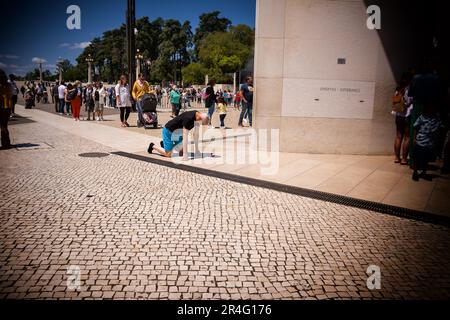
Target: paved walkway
(138, 230)
(372, 178)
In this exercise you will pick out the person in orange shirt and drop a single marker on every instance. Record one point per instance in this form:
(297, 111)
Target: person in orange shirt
(5, 109)
(140, 88)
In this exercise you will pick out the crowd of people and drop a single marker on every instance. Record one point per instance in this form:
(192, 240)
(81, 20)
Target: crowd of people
(422, 118)
(68, 98)
(420, 107)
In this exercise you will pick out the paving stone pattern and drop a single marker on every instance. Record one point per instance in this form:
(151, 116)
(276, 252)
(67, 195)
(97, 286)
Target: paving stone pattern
(141, 231)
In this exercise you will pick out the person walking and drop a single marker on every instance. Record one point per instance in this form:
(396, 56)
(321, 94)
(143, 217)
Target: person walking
(140, 88)
(175, 99)
(96, 98)
(76, 100)
(402, 106)
(67, 98)
(103, 93)
(112, 97)
(237, 101)
(123, 100)
(247, 101)
(89, 103)
(14, 92)
(222, 108)
(55, 97)
(61, 94)
(6, 103)
(425, 89)
(210, 99)
(426, 132)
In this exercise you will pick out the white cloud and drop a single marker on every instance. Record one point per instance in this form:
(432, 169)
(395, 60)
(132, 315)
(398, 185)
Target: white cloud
(81, 45)
(2, 65)
(38, 60)
(9, 56)
(76, 45)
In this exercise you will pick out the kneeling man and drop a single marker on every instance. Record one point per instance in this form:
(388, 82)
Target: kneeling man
(172, 136)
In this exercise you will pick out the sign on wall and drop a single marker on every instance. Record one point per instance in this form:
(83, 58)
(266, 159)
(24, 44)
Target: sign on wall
(335, 99)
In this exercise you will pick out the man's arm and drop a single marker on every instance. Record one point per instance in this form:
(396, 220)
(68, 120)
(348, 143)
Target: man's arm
(185, 144)
(196, 138)
(243, 96)
(117, 90)
(133, 92)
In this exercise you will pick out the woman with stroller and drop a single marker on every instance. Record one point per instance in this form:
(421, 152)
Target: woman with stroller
(140, 88)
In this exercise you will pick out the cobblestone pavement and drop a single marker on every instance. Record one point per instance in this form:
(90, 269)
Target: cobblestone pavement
(138, 230)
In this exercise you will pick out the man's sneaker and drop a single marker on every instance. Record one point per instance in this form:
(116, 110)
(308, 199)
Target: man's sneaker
(426, 177)
(415, 176)
(150, 148)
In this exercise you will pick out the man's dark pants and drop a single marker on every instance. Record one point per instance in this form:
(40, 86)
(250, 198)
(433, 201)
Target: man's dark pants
(4, 118)
(14, 102)
(62, 104)
(247, 109)
(56, 102)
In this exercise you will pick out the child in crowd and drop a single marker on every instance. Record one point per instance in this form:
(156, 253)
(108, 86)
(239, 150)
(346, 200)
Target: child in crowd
(222, 108)
(426, 132)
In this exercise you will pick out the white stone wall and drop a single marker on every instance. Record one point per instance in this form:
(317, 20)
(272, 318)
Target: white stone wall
(321, 106)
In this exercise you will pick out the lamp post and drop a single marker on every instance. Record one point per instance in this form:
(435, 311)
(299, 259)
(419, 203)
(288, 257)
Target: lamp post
(60, 69)
(148, 64)
(89, 60)
(39, 62)
(138, 58)
(131, 37)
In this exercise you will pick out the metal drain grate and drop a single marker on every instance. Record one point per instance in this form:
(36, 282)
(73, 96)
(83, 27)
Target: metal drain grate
(307, 193)
(93, 155)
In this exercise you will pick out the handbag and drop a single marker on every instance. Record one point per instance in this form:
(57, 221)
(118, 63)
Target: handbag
(398, 103)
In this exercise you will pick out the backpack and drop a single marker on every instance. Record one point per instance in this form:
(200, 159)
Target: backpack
(149, 102)
(204, 95)
(398, 102)
(72, 95)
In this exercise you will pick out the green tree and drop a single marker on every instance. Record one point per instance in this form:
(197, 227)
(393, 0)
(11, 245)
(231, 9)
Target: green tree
(175, 39)
(243, 34)
(32, 75)
(73, 74)
(223, 53)
(210, 23)
(194, 74)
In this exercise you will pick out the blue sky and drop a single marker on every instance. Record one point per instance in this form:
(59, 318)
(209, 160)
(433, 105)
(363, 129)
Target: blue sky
(38, 28)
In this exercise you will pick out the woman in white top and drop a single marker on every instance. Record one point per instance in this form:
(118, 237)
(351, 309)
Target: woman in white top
(102, 101)
(123, 98)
